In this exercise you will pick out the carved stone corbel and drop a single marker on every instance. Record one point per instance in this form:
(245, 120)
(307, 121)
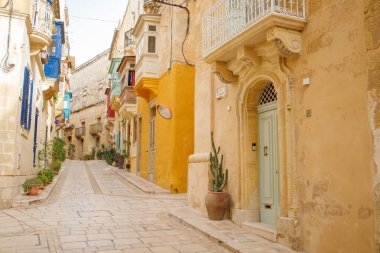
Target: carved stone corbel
(288, 42)
(248, 56)
(223, 73)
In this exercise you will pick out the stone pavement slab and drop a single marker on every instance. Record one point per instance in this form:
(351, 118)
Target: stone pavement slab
(225, 233)
(88, 214)
(23, 200)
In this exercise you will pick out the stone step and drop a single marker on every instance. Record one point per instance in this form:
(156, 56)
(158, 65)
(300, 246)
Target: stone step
(264, 230)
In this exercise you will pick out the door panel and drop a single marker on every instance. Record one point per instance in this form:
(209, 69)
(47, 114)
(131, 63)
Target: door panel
(152, 149)
(268, 166)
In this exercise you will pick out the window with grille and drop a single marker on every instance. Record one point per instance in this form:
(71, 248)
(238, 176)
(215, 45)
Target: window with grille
(26, 100)
(268, 95)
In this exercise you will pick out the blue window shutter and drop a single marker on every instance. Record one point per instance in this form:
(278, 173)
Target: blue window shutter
(25, 96)
(35, 138)
(30, 105)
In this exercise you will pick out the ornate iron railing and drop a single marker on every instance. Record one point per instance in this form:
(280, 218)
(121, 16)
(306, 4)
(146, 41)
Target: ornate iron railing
(227, 18)
(42, 17)
(129, 39)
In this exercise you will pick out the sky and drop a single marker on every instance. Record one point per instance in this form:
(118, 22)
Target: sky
(91, 37)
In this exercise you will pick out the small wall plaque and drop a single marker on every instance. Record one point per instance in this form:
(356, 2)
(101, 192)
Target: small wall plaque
(221, 92)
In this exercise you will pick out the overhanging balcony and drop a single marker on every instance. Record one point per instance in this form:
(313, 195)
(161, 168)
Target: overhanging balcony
(115, 96)
(229, 24)
(42, 23)
(80, 132)
(96, 129)
(128, 101)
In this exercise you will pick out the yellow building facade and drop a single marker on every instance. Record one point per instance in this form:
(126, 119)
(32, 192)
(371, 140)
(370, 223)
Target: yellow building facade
(165, 90)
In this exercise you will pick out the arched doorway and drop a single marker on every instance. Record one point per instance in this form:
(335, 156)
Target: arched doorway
(268, 155)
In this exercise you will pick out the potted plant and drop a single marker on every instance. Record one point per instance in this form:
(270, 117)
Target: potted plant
(99, 154)
(216, 200)
(31, 186)
(45, 180)
(48, 173)
(56, 166)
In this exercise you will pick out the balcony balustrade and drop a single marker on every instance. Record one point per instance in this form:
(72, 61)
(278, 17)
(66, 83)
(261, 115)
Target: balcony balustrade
(96, 129)
(129, 39)
(227, 19)
(128, 96)
(80, 132)
(42, 22)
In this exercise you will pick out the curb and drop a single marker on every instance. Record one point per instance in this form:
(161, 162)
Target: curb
(198, 229)
(141, 187)
(23, 200)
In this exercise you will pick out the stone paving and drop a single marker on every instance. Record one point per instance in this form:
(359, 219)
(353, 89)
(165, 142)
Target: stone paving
(93, 210)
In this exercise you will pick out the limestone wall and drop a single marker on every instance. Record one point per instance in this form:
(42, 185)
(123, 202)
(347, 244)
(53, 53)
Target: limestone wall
(16, 144)
(88, 84)
(332, 162)
(372, 30)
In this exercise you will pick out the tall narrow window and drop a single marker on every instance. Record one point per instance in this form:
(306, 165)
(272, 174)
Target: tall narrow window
(35, 138)
(152, 44)
(27, 100)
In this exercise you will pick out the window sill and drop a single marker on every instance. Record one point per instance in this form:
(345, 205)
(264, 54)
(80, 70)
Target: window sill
(24, 133)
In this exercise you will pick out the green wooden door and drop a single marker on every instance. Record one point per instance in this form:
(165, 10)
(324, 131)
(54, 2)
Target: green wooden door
(268, 162)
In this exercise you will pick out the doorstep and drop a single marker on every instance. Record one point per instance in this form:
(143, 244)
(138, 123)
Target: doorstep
(141, 183)
(23, 200)
(226, 233)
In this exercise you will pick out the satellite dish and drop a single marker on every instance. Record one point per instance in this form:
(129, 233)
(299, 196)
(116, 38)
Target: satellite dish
(164, 112)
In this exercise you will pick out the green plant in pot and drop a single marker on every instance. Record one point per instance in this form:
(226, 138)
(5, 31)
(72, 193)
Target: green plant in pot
(31, 186)
(56, 166)
(217, 201)
(99, 154)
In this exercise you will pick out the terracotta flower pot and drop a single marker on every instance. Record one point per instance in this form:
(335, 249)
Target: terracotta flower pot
(216, 204)
(33, 190)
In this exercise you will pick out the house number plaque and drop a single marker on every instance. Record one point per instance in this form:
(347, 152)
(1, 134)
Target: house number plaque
(221, 92)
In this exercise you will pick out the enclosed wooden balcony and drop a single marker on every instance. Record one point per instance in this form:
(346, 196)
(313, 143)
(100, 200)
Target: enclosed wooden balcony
(42, 24)
(230, 24)
(96, 129)
(80, 132)
(128, 101)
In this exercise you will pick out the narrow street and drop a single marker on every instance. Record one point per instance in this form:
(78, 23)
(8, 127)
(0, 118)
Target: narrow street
(92, 209)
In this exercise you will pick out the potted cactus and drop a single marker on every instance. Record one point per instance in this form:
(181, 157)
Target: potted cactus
(217, 201)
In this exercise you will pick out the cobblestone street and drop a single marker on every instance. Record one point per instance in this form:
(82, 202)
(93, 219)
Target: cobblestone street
(92, 209)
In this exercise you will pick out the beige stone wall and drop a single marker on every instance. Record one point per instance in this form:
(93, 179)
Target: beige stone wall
(88, 84)
(16, 144)
(372, 25)
(326, 180)
(88, 116)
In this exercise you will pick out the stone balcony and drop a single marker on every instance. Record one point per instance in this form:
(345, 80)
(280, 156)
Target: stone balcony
(42, 24)
(80, 132)
(232, 24)
(96, 129)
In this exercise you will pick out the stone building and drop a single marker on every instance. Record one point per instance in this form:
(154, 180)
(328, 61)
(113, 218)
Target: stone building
(165, 90)
(85, 130)
(33, 32)
(290, 90)
(122, 96)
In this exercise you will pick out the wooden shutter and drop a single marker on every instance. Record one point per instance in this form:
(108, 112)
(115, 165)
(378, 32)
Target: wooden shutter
(35, 138)
(25, 98)
(30, 104)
